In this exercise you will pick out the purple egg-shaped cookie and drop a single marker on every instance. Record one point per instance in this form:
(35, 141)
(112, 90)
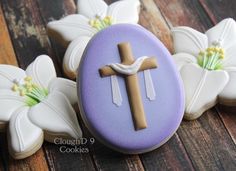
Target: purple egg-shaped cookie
(130, 94)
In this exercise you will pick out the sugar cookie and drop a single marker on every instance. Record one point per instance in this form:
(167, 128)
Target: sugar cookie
(207, 64)
(36, 105)
(130, 93)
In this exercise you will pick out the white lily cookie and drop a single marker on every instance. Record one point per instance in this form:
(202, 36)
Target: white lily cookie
(207, 63)
(94, 15)
(36, 105)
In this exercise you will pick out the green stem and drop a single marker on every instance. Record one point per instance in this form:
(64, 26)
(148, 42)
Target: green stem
(205, 59)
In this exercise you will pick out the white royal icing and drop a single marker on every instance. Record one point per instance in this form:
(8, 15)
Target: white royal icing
(202, 86)
(23, 133)
(80, 28)
(200, 89)
(150, 90)
(53, 112)
(116, 94)
(130, 70)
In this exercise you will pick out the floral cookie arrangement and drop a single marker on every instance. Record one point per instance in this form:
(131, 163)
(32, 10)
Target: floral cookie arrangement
(94, 15)
(133, 75)
(207, 64)
(36, 105)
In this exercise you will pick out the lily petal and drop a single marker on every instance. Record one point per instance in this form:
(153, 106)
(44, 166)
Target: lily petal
(230, 56)
(65, 86)
(73, 55)
(41, 70)
(228, 95)
(70, 27)
(125, 11)
(224, 32)
(188, 40)
(182, 59)
(91, 8)
(8, 74)
(201, 90)
(61, 117)
(24, 137)
(9, 102)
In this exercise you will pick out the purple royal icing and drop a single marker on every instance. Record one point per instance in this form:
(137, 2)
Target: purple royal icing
(114, 125)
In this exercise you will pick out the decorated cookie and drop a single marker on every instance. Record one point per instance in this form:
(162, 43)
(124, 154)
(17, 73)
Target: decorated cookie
(130, 93)
(94, 16)
(207, 63)
(36, 105)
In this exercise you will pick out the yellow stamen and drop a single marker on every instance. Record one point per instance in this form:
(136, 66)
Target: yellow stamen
(201, 53)
(216, 49)
(30, 89)
(221, 56)
(15, 87)
(101, 23)
(34, 85)
(96, 23)
(211, 58)
(28, 78)
(22, 93)
(222, 51)
(97, 17)
(28, 84)
(91, 23)
(209, 54)
(108, 17)
(108, 20)
(210, 49)
(33, 94)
